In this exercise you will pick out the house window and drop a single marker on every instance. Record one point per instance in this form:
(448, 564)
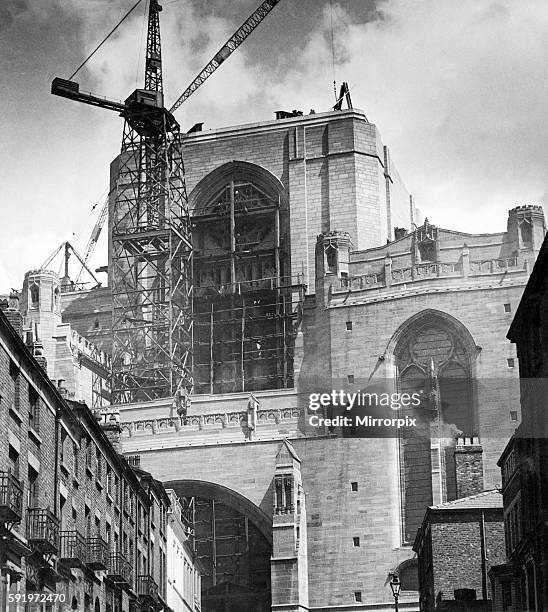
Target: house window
(62, 512)
(351, 378)
(62, 446)
(349, 326)
(75, 460)
(356, 541)
(354, 486)
(32, 494)
(14, 374)
(513, 415)
(110, 481)
(510, 362)
(34, 409)
(98, 465)
(87, 521)
(14, 461)
(358, 596)
(507, 308)
(89, 455)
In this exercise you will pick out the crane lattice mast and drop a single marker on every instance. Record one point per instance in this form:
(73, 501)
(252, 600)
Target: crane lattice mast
(151, 273)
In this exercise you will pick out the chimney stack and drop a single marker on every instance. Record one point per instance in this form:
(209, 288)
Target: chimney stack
(12, 312)
(468, 466)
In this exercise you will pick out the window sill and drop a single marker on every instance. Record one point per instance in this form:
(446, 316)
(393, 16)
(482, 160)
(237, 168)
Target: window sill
(35, 436)
(17, 416)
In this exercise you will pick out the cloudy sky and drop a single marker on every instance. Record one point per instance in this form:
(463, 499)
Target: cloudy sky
(457, 89)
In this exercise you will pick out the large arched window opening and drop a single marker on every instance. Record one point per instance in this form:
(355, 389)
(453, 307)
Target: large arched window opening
(242, 302)
(433, 357)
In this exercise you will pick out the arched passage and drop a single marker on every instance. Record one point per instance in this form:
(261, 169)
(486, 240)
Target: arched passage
(233, 543)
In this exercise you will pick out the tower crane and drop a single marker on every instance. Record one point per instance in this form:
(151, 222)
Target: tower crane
(92, 242)
(151, 277)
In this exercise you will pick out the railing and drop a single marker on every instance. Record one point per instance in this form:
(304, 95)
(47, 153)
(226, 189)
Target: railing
(147, 587)
(11, 498)
(363, 281)
(208, 421)
(426, 270)
(97, 553)
(494, 266)
(430, 270)
(119, 568)
(43, 530)
(73, 548)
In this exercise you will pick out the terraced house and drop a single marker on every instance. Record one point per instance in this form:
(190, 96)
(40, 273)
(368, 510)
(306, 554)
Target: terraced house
(77, 522)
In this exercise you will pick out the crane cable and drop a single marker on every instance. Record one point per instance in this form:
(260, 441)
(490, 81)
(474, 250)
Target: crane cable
(104, 40)
(140, 48)
(333, 50)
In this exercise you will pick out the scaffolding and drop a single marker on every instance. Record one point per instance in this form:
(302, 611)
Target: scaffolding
(151, 247)
(235, 557)
(246, 309)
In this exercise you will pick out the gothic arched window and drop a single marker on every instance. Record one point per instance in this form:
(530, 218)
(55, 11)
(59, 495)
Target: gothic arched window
(34, 294)
(432, 357)
(242, 294)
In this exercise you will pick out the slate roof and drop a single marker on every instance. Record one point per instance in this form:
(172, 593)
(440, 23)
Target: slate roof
(487, 499)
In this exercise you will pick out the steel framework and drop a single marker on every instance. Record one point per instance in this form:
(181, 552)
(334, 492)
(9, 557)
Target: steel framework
(151, 248)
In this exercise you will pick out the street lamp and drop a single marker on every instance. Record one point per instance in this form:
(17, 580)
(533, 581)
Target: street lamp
(395, 585)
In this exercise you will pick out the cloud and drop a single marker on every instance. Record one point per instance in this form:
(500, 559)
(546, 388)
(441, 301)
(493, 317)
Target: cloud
(457, 90)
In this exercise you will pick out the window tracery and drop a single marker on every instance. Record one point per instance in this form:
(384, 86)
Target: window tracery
(432, 357)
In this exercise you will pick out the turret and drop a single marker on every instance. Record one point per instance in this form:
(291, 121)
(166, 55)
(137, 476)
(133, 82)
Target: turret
(332, 260)
(41, 308)
(526, 228)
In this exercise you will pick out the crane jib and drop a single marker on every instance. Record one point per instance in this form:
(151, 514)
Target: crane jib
(227, 49)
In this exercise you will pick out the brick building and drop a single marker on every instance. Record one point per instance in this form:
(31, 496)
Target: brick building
(75, 519)
(460, 540)
(325, 278)
(522, 582)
